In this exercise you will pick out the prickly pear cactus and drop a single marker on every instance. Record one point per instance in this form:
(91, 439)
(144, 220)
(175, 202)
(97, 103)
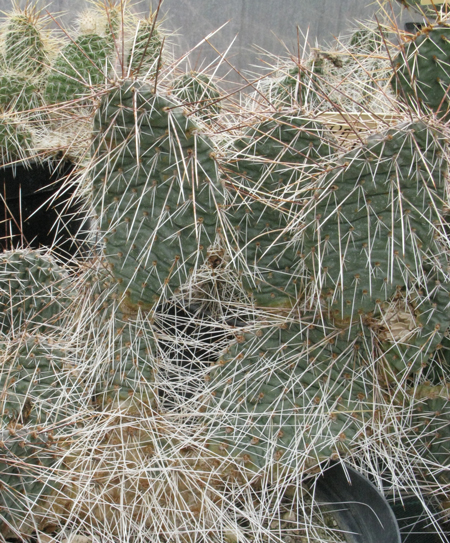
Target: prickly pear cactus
(158, 195)
(275, 155)
(36, 378)
(292, 395)
(81, 66)
(35, 292)
(199, 92)
(378, 223)
(145, 57)
(24, 43)
(421, 76)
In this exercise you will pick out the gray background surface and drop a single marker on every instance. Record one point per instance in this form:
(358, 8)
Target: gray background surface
(272, 25)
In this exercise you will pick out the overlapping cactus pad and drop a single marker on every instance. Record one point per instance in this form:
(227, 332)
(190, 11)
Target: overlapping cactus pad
(263, 287)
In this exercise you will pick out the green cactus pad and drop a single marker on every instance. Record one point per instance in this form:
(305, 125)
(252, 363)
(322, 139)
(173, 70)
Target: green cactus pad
(377, 223)
(294, 395)
(158, 196)
(79, 67)
(199, 92)
(36, 380)
(34, 291)
(422, 70)
(274, 158)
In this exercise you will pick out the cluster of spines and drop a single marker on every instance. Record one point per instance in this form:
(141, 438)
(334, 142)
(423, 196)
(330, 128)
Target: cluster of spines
(358, 409)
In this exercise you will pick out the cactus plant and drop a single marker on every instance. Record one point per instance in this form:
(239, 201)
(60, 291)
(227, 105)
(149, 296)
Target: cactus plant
(248, 244)
(198, 92)
(421, 75)
(275, 154)
(157, 193)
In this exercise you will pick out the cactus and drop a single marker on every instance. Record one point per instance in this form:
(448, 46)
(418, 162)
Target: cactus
(36, 380)
(145, 56)
(421, 74)
(273, 156)
(79, 67)
(258, 303)
(35, 291)
(198, 92)
(25, 43)
(294, 395)
(157, 193)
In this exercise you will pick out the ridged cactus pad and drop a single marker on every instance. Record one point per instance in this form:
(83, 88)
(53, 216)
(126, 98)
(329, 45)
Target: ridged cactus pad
(377, 223)
(422, 74)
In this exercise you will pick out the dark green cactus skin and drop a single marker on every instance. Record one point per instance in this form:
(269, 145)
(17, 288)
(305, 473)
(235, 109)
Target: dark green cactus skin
(80, 66)
(35, 383)
(292, 395)
(375, 226)
(34, 292)
(158, 196)
(422, 73)
(18, 93)
(272, 158)
(199, 92)
(146, 51)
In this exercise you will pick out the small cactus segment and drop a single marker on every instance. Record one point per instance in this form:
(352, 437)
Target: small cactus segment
(294, 395)
(199, 92)
(80, 66)
(422, 70)
(34, 291)
(128, 379)
(145, 55)
(25, 50)
(36, 380)
(273, 158)
(377, 223)
(158, 195)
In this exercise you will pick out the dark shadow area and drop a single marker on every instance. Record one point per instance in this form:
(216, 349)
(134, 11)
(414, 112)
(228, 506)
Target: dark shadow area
(38, 208)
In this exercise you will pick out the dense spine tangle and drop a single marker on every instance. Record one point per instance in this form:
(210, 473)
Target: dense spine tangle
(291, 395)
(157, 193)
(275, 157)
(35, 292)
